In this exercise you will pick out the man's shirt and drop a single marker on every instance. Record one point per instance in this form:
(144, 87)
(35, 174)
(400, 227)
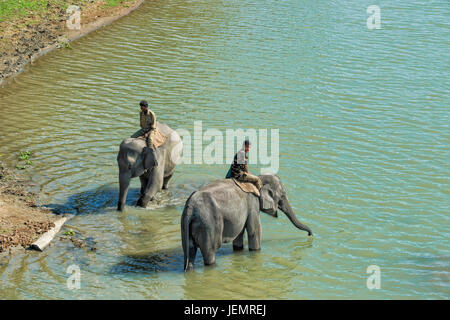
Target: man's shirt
(239, 163)
(148, 120)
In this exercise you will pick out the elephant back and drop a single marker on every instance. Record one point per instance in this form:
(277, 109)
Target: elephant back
(172, 145)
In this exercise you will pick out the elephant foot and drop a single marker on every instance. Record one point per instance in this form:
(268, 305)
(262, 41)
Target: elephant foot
(253, 249)
(238, 248)
(141, 203)
(189, 267)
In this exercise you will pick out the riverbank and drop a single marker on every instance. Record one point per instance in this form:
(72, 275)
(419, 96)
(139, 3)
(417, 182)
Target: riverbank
(21, 220)
(29, 29)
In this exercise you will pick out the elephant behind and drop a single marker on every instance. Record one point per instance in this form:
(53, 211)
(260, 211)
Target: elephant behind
(154, 167)
(221, 212)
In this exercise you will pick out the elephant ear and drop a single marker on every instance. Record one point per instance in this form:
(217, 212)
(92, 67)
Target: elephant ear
(150, 160)
(266, 200)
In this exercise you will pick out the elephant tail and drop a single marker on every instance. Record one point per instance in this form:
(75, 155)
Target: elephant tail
(187, 217)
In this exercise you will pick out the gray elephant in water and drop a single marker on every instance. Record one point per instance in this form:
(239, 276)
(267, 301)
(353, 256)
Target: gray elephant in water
(154, 167)
(220, 212)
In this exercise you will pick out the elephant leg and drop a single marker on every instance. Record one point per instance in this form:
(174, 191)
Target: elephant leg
(141, 201)
(166, 181)
(192, 254)
(254, 232)
(238, 243)
(144, 182)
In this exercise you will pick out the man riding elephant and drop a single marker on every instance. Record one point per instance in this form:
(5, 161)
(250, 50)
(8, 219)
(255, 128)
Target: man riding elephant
(239, 167)
(148, 124)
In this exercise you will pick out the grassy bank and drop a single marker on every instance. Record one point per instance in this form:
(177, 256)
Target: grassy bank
(13, 10)
(29, 28)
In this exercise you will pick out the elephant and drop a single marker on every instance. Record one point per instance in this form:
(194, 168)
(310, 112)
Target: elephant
(220, 212)
(154, 167)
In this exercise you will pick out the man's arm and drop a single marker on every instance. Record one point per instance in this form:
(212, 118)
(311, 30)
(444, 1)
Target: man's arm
(153, 125)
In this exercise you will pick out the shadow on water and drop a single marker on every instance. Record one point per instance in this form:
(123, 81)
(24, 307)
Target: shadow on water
(92, 201)
(170, 260)
(96, 200)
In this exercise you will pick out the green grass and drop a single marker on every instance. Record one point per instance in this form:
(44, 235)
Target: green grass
(65, 45)
(20, 8)
(69, 233)
(24, 155)
(113, 3)
(16, 9)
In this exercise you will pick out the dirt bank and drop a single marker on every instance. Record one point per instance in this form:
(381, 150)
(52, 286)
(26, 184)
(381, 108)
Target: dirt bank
(26, 34)
(21, 221)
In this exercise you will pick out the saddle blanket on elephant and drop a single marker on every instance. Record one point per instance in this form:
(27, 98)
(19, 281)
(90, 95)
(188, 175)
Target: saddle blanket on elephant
(158, 138)
(247, 187)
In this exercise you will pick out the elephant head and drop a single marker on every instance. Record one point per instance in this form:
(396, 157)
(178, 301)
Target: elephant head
(134, 160)
(273, 197)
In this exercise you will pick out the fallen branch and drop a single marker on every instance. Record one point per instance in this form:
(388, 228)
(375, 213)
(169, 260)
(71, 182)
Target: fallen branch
(44, 240)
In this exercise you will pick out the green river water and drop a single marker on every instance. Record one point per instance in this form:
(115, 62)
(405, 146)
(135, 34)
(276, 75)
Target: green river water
(363, 119)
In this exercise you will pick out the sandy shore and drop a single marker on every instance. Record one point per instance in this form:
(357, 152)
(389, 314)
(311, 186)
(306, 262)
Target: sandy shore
(21, 220)
(24, 40)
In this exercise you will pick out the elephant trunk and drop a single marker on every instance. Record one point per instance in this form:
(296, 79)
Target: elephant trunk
(124, 182)
(285, 206)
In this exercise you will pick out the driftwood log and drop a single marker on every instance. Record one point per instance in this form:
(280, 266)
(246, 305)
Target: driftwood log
(44, 240)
